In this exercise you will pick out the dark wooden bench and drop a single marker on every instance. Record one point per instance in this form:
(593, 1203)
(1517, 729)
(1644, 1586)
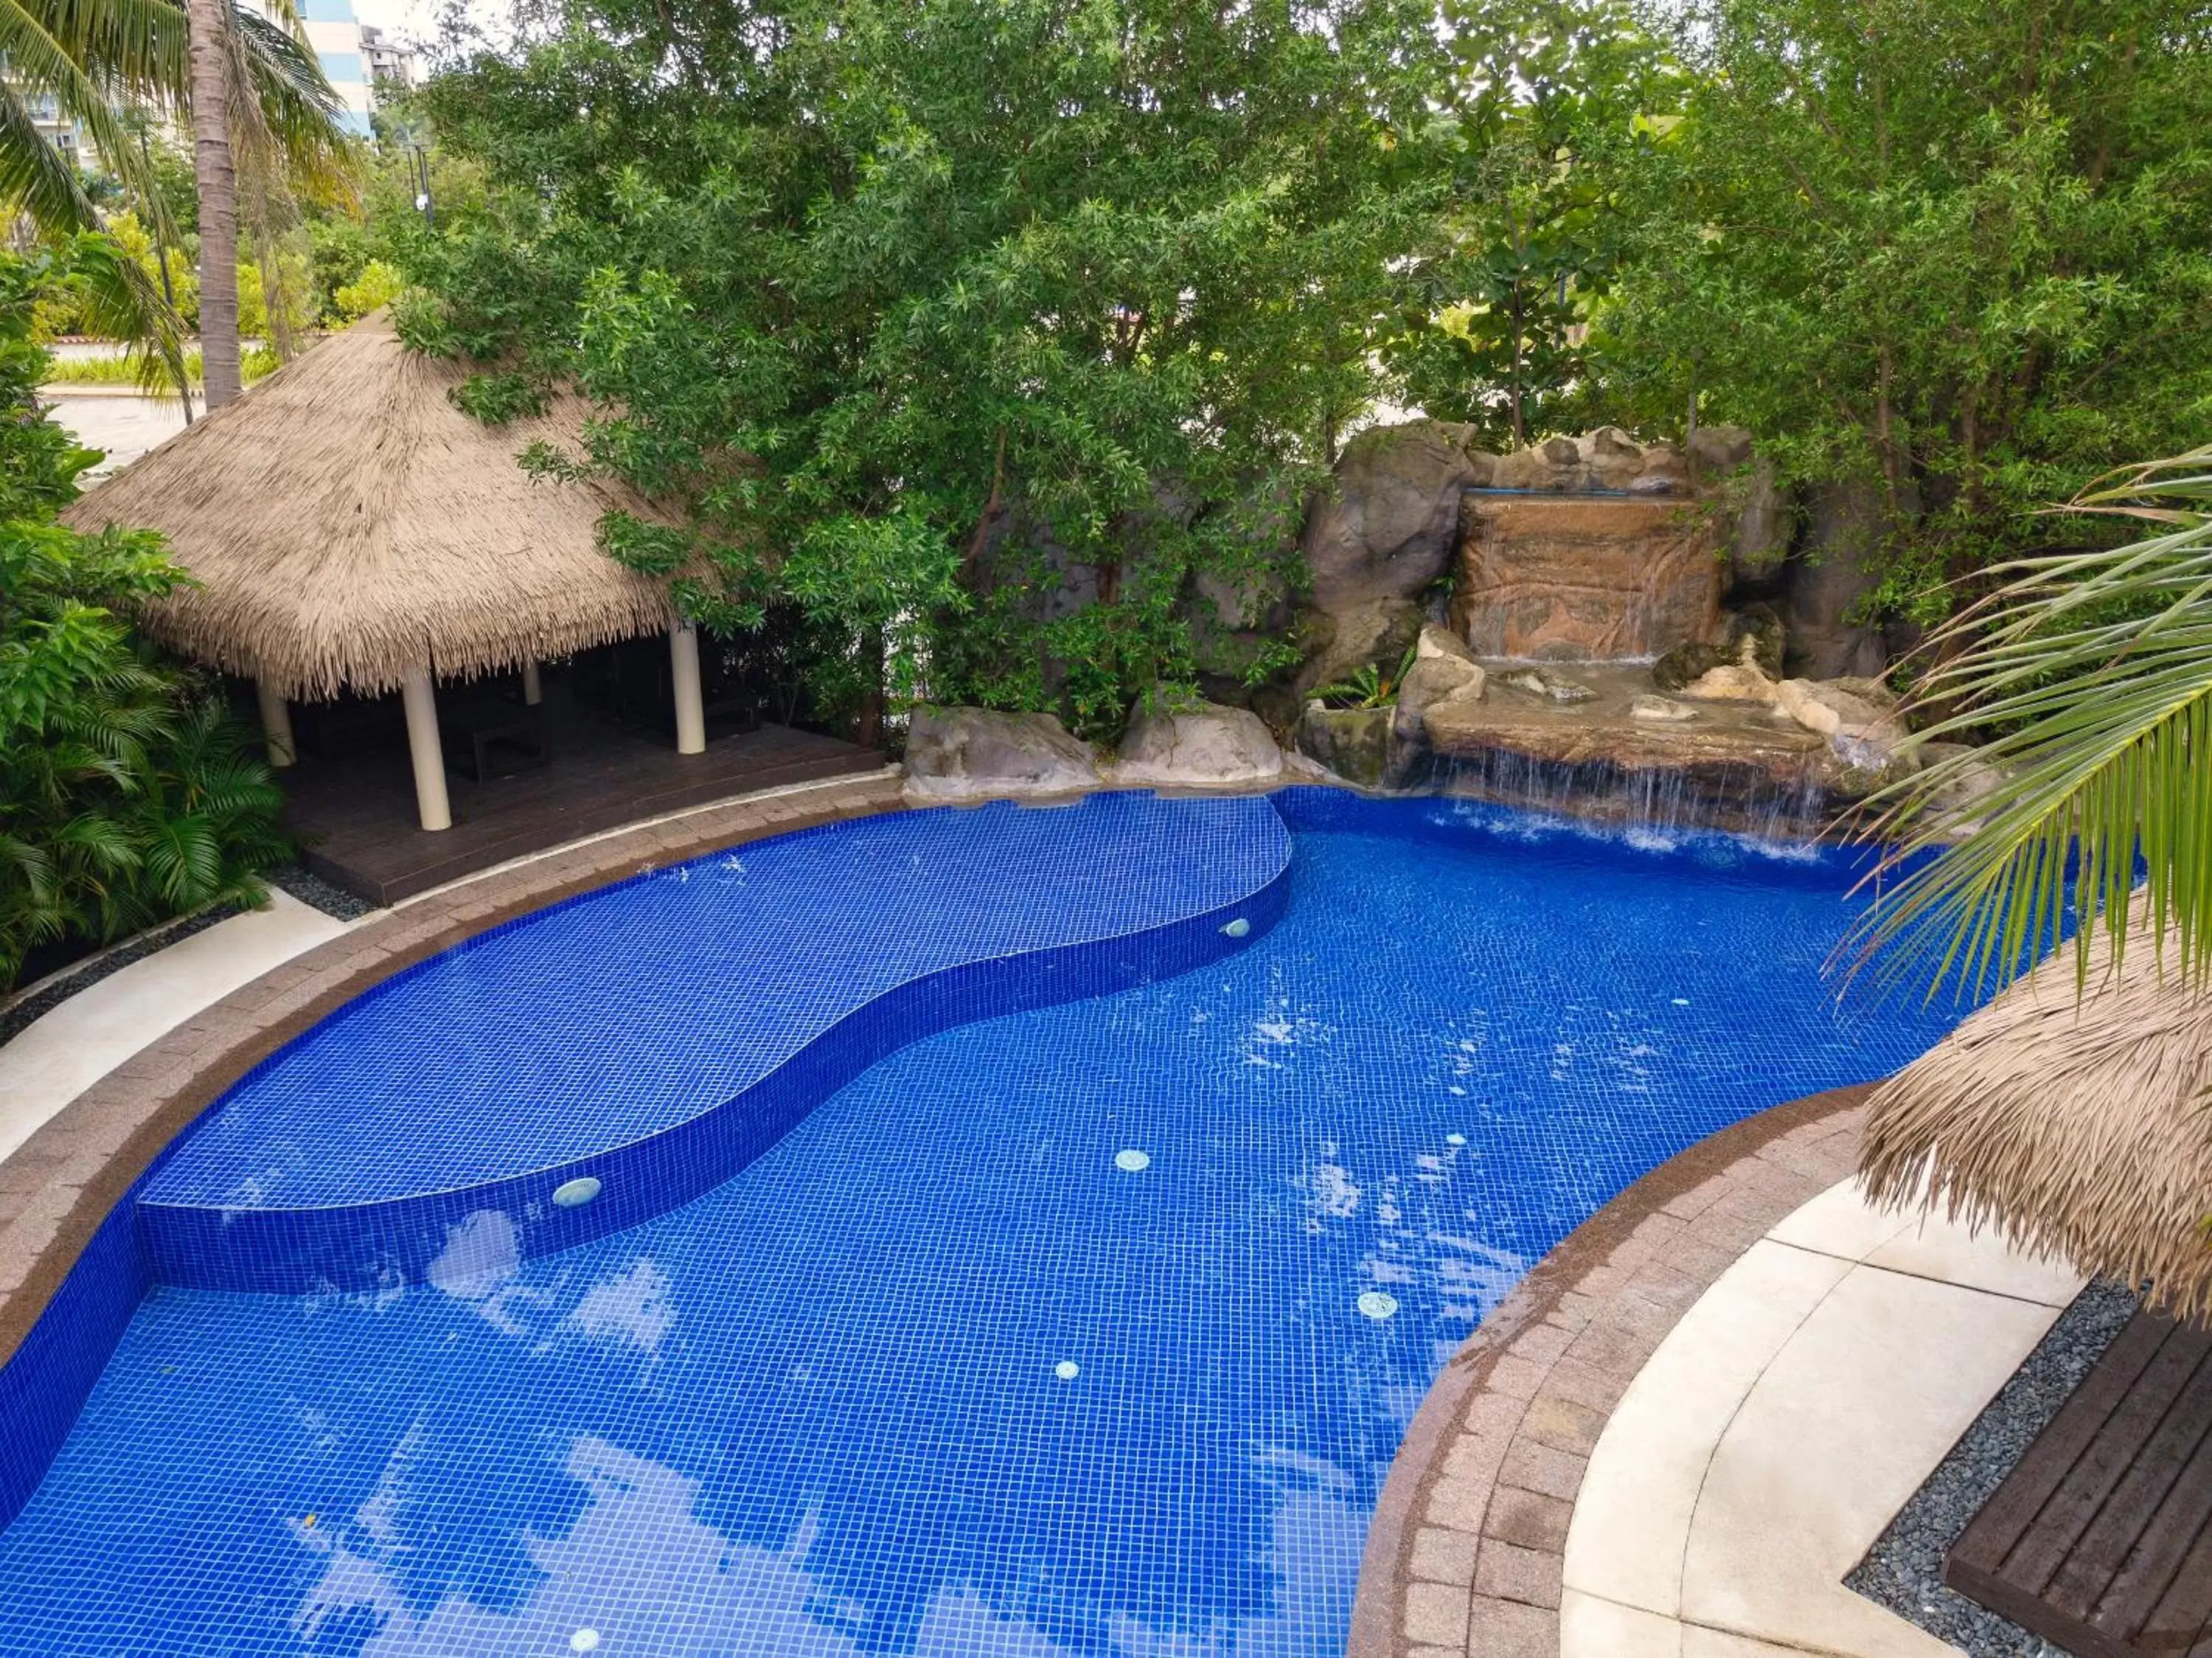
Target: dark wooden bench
(487, 737)
(2101, 1541)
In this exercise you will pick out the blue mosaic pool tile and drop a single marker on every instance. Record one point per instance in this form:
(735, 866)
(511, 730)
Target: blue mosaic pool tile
(657, 1036)
(1084, 1330)
(46, 1379)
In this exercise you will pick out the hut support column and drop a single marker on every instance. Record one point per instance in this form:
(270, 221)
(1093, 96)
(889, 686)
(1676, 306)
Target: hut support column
(533, 692)
(423, 748)
(690, 713)
(276, 725)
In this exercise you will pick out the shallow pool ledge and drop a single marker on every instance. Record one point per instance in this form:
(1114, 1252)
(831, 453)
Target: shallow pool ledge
(612, 1058)
(71, 1273)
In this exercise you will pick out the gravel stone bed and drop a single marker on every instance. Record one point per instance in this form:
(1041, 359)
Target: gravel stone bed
(313, 890)
(1904, 1569)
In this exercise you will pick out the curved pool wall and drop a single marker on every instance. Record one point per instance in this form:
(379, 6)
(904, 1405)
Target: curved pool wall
(838, 975)
(722, 998)
(941, 1371)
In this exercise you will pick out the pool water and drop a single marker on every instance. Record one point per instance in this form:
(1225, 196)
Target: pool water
(1087, 1330)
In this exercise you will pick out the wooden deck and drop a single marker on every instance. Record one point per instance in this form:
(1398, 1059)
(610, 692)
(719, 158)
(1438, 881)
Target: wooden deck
(2100, 1540)
(354, 811)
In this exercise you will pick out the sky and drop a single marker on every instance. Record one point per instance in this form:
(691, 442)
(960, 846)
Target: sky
(415, 19)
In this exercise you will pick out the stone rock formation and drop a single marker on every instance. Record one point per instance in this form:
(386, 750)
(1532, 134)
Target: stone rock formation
(1354, 743)
(1384, 538)
(1443, 670)
(1659, 708)
(1732, 762)
(975, 754)
(1584, 578)
(1206, 748)
(1827, 583)
(1543, 683)
(1752, 634)
(1607, 460)
(1765, 522)
(1716, 449)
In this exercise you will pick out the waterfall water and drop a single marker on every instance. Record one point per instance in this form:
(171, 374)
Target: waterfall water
(1741, 799)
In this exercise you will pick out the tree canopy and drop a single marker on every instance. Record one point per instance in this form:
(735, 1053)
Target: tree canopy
(972, 331)
(1960, 253)
(1010, 312)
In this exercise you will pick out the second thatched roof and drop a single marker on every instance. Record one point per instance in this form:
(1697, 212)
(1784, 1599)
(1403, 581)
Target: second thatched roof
(346, 523)
(2078, 1127)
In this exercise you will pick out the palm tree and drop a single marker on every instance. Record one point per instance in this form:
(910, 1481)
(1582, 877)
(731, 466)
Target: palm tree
(2094, 670)
(218, 191)
(258, 98)
(256, 89)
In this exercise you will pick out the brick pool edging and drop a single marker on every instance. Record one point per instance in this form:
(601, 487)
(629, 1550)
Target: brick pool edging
(1464, 1557)
(61, 1185)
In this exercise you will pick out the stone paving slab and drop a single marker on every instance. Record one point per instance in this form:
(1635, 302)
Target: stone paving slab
(1466, 1554)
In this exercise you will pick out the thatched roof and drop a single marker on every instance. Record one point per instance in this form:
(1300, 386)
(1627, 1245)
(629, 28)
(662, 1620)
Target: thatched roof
(2082, 1129)
(346, 522)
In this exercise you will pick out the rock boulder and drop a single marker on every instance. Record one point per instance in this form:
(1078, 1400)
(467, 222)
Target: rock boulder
(976, 753)
(1205, 748)
(1354, 743)
(1834, 573)
(1436, 677)
(1388, 532)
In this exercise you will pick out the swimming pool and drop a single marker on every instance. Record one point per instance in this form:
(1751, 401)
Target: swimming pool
(1088, 1327)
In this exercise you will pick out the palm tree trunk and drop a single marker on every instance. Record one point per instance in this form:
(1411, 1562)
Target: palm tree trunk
(218, 191)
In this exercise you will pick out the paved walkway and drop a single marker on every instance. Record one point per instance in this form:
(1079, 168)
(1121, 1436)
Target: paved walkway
(1776, 1432)
(60, 1054)
(1689, 1422)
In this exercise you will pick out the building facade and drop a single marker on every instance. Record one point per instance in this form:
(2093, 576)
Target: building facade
(356, 58)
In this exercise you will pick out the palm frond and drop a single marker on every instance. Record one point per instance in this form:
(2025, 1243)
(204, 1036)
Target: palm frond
(32, 171)
(122, 302)
(2095, 670)
(140, 48)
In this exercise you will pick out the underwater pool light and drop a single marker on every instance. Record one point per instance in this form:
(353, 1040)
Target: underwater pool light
(574, 1194)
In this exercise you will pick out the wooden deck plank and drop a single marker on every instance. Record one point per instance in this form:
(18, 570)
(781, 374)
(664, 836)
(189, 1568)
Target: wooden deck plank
(355, 815)
(2008, 1515)
(2135, 1508)
(2170, 1569)
(2100, 1540)
(2044, 1547)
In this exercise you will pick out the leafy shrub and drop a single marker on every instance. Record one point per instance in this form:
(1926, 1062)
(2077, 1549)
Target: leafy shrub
(127, 794)
(378, 285)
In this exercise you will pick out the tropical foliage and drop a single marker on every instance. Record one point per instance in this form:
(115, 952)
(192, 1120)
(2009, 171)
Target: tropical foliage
(973, 330)
(1957, 255)
(126, 792)
(1369, 686)
(1552, 107)
(2093, 671)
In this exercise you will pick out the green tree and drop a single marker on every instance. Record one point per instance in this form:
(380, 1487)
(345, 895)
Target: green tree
(127, 794)
(1960, 255)
(1028, 297)
(1550, 105)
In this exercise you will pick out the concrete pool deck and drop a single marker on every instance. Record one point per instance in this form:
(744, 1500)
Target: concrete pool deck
(1693, 1419)
(66, 1051)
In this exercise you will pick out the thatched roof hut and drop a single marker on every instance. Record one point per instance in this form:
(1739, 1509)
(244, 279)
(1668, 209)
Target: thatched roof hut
(347, 524)
(2077, 1126)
